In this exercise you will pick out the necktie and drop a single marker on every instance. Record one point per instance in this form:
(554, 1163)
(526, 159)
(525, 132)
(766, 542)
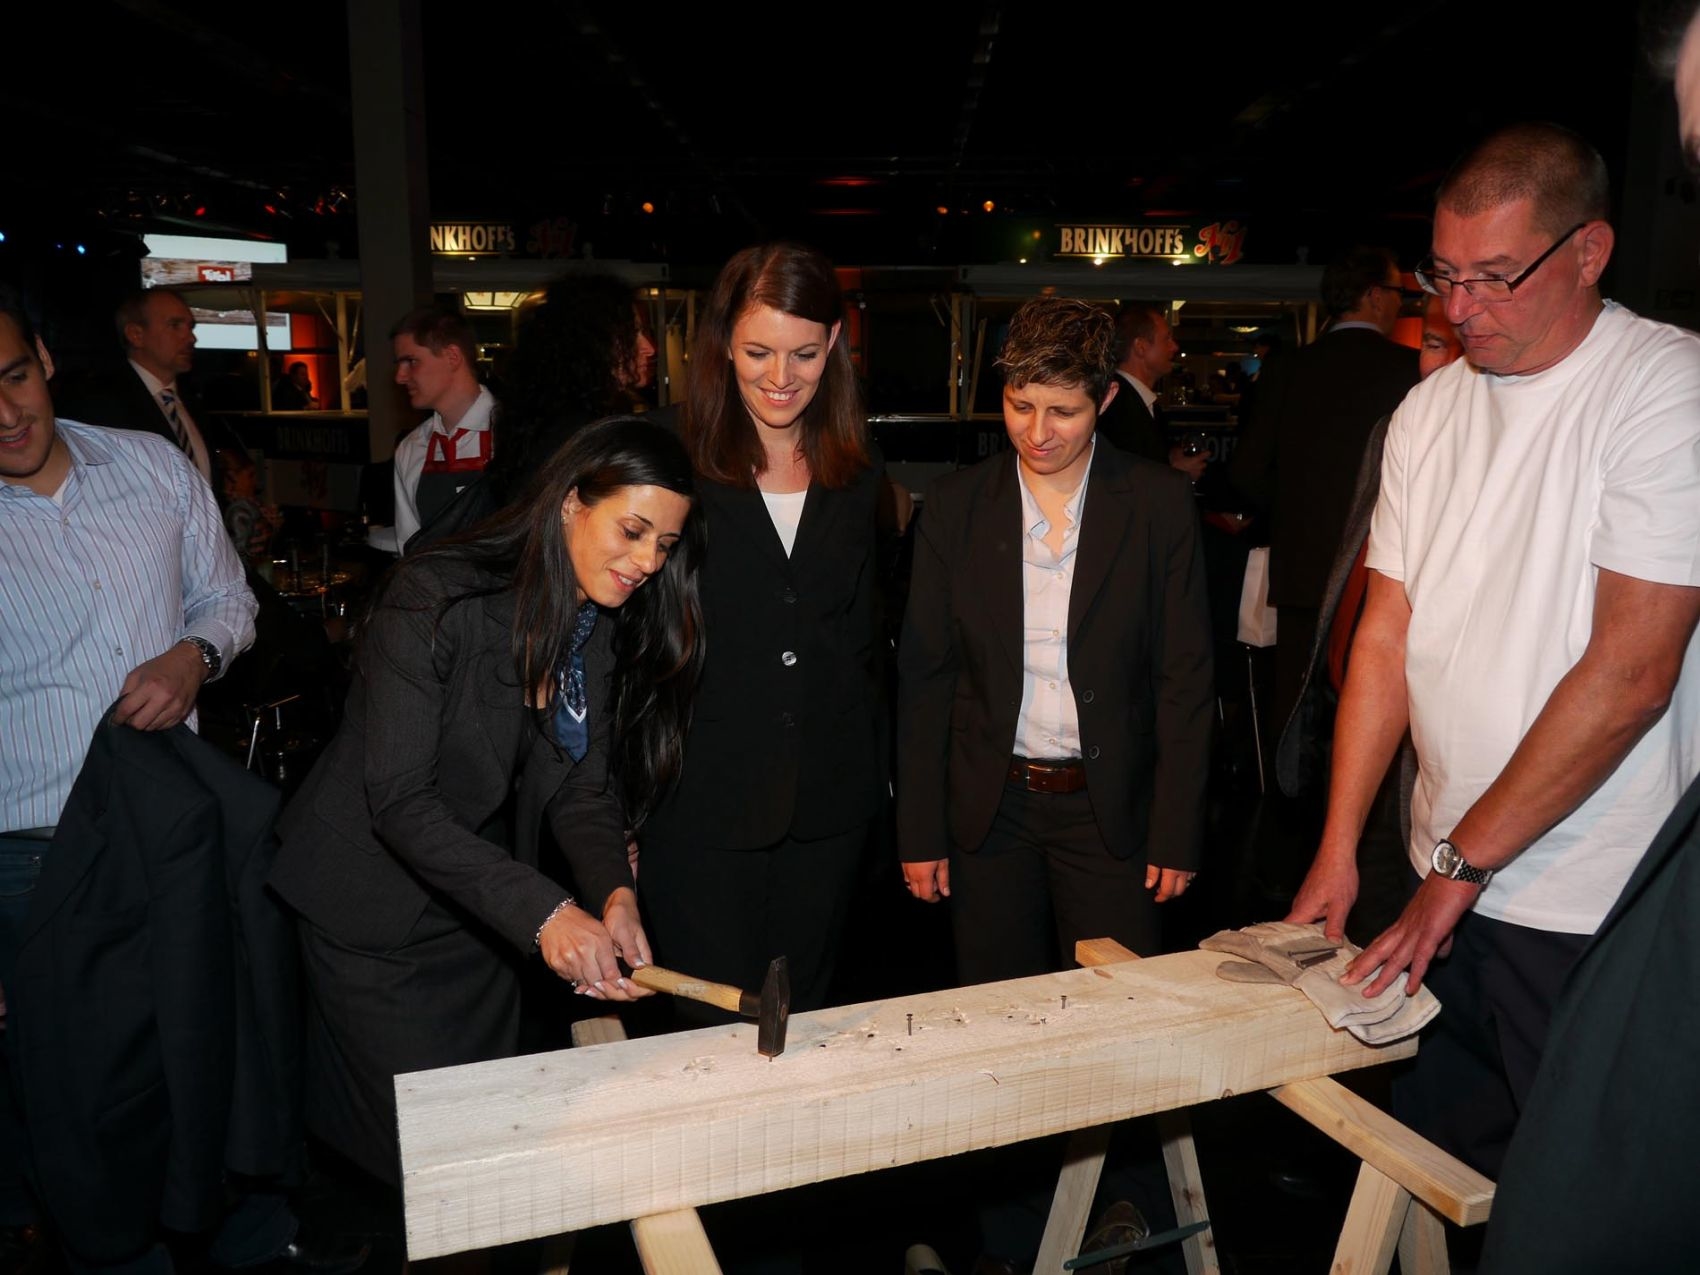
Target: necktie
(572, 730)
(168, 400)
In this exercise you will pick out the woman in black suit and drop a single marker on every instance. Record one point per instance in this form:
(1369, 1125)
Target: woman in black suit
(541, 667)
(755, 854)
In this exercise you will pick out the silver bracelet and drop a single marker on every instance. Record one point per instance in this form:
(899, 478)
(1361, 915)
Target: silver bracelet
(562, 906)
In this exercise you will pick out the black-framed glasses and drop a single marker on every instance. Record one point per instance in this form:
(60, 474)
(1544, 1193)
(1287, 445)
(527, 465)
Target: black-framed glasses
(1487, 288)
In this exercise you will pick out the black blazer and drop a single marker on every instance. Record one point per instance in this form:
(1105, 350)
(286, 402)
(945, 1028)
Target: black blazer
(155, 1012)
(1138, 660)
(1129, 424)
(1299, 450)
(117, 399)
(783, 740)
(410, 801)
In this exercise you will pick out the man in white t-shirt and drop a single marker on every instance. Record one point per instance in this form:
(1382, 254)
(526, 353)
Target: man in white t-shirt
(1534, 586)
(436, 362)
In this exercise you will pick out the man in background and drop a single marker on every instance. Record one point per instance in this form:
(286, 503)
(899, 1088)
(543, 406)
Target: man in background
(157, 333)
(1146, 353)
(436, 363)
(1302, 443)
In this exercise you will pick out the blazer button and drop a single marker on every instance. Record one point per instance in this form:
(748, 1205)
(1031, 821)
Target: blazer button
(1092, 752)
(1085, 697)
(788, 658)
(790, 595)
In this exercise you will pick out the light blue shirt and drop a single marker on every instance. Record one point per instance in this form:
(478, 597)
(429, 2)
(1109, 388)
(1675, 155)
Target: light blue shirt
(128, 560)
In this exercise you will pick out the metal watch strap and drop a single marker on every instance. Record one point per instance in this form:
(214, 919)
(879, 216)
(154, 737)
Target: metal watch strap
(209, 653)
(1463, 869)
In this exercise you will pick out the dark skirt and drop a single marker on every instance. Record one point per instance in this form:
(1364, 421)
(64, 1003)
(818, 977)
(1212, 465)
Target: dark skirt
(448, 995)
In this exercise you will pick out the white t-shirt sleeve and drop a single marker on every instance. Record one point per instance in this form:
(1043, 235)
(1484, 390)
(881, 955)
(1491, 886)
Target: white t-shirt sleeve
(1649, 519)
(1386, 552)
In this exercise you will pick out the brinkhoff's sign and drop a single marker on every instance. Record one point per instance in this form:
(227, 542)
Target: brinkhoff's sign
(463, 238)
(1220, 243)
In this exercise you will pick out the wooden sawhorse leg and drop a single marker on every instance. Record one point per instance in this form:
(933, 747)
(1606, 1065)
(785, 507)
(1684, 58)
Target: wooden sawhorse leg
(667, 1243)
(1384, 1216)
(1083, 1165)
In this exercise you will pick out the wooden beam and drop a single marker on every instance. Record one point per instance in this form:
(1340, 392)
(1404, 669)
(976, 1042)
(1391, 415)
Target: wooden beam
(521, 1147)
(1447, 1185)
(668, 1243)
(1180, 1154)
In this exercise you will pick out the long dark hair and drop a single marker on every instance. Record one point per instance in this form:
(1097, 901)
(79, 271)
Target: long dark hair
(569, 366)
(724, 442)
(658, 642)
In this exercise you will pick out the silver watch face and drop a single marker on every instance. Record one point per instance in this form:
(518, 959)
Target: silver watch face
(1446, 859)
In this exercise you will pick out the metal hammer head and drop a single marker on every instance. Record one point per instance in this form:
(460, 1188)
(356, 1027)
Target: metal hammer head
(772, 1010)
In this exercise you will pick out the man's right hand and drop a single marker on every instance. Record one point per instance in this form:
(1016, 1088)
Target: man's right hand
(928, 880)
(1329, 890)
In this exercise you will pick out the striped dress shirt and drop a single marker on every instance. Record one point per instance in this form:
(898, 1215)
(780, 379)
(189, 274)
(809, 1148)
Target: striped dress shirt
(130, 558)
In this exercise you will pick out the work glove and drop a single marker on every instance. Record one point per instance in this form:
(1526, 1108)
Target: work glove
(1302, 956)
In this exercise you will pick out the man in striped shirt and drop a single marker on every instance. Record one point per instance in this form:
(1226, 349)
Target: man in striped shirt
(117, 584)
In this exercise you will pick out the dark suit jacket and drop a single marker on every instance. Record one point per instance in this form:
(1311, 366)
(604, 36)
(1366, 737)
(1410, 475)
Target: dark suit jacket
(410, 802)
(117, 399)
(1129, 424)
(1298, 454)
(1303, 756)
(1138, 660)
(1612, 1124)
(783, 741)
(155, 1012)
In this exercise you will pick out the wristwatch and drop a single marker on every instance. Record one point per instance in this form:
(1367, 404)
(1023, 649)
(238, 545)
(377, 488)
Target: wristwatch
(1450, 863)
(209, 654)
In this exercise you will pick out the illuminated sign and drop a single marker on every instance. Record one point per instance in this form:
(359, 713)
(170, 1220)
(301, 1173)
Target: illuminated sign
(1220, 243)
(183, 261)
(472, 238)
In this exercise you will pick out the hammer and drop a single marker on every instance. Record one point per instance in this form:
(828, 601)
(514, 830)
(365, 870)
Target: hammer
(771, 1009)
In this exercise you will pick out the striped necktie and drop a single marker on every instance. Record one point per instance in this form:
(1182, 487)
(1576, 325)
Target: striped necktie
(179, 431)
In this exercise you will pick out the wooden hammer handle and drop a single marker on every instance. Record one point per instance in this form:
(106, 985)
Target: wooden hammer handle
(692, 989)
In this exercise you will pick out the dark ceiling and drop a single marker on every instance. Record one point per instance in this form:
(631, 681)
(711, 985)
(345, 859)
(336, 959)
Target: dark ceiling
(850, 126)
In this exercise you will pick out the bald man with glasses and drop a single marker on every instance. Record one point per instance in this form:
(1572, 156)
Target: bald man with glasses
(1534, 586)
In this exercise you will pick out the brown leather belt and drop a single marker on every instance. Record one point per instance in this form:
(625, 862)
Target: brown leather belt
(1047, 776)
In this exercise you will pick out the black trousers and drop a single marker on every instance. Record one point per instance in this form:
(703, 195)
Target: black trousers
(1041, 881)
(1472, 1075)
(723, 915)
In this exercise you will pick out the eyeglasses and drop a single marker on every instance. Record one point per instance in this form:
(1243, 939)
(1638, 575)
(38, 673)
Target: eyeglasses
(1488, 288)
